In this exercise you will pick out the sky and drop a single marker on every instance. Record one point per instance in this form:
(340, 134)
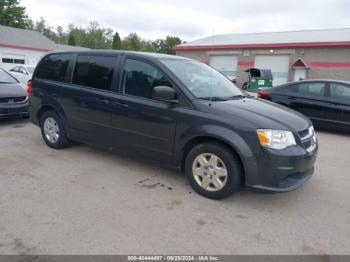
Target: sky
(193, 19)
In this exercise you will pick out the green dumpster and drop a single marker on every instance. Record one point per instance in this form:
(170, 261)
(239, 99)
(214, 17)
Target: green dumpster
(258, 79)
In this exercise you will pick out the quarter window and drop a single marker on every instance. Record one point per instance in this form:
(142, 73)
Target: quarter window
(340, 91)
(94, 71)
(54, 67)
(312, 89)
(139, 79)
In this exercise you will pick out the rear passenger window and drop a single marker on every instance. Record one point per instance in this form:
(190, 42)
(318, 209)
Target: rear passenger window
(94, 71)
(340, 91)
(140, 78)
(312, 89)
(291, 89)
(54, 67)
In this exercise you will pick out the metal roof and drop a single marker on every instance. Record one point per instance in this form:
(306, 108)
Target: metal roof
(327, 37)
(27, 39)
(31, 40)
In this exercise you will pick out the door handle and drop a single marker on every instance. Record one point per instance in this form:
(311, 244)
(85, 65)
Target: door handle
(291, 98)
(120, 104)
(102, 101)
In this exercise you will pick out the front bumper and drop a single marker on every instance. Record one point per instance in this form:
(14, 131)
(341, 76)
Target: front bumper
(283, 171)
(14, 110)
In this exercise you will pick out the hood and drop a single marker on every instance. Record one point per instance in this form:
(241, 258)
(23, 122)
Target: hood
(12, 90)
(262, 114)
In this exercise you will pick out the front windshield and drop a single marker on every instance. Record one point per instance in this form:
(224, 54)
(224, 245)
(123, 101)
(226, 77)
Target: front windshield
(30, 69)
(202, 80)
(6, 78)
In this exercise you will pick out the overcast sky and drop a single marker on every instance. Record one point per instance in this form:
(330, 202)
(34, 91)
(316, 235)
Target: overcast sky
(193, 19)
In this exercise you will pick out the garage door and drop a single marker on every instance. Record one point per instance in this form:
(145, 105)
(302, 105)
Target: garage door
(278, 64)
(225, 64)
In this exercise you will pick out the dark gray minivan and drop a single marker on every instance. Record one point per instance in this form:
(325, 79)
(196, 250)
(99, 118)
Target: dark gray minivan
(176, 111)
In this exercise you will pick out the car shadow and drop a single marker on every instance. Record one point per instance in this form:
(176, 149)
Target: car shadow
(13, 121)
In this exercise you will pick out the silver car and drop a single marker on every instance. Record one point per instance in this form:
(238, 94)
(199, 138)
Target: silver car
(23, 73)
(13, 97)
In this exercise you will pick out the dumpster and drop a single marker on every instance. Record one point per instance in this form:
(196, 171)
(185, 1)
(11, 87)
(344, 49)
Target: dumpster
(258, 79)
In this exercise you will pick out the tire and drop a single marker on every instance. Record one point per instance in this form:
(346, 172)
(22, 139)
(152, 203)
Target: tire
(226, 160)
(58, 130)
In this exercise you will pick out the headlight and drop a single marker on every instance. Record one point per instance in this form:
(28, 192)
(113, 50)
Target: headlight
(276, 139)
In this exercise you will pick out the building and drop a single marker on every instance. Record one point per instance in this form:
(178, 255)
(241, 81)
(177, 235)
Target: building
(291, 56)
(20, 46)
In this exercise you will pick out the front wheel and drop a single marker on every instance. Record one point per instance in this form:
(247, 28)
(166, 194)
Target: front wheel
(53, 130)
(213, 170)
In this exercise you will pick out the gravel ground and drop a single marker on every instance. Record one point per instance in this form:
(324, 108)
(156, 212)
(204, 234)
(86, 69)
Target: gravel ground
(83, 200)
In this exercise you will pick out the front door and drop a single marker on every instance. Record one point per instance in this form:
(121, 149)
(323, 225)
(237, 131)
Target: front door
(299, 74)
(150, 124)
(340, 102)
(311, 101)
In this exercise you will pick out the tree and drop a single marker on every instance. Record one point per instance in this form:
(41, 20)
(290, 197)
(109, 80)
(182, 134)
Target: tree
(12, 14)
(117, 43)
(71, 40)
(166, 45)
(132, 42)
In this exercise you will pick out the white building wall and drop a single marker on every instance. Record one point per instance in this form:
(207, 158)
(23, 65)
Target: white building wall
(31, 57)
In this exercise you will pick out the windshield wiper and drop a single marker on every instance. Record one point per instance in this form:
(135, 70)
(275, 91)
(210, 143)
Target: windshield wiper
(213, 98)
(236, 97)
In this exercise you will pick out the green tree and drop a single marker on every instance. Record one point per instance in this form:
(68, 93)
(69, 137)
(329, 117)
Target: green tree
(61, 35)
(132, 42)
(12, 14)
(97, 37)
(166, 45)
(117, 43)
(71, 40)
(42, 27)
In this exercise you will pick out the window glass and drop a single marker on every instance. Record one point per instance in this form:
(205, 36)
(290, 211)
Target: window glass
(15, 69)
(291, 89)
(54, 67)
(202, 80)
(22, 70)
(140, 78)
(30, 69)
(19, 61)
(312, 89)
(6, 78)
(94, 71)
(7, 60)
(340, 91)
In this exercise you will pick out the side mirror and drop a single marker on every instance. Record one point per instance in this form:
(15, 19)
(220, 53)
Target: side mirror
(164, 93)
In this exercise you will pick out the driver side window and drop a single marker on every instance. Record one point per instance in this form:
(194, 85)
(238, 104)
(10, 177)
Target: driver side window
(139, 79)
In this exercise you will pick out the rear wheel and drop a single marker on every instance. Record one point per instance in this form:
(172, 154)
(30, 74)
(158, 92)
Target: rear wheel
(213, 170)
(53, 130)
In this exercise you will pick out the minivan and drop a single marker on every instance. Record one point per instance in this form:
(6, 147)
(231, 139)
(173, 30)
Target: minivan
(175, 111)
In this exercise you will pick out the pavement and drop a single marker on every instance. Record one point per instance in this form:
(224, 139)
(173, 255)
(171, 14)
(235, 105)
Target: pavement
(83, 200)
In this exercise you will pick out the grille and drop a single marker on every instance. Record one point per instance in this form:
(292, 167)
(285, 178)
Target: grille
(303, 133)
(308, 139)
(11, 100)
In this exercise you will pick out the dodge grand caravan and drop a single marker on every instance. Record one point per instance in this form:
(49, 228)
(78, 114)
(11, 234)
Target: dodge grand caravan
(176, 111)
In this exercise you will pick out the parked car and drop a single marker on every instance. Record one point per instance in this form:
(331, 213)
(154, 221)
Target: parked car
(13, 97)
(325, 102)
(176, 111)
(23, 73)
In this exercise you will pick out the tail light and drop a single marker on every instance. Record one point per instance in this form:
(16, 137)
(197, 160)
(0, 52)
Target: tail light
(264, 94)
(29, 88)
